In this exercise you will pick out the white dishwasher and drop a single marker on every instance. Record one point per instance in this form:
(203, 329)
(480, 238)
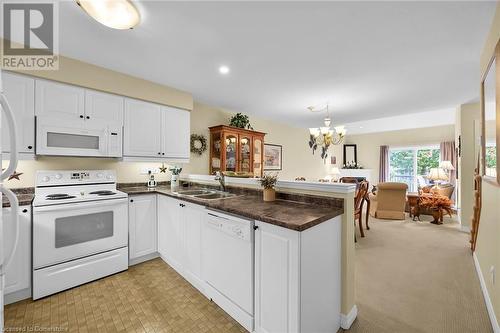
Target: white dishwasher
(228, 265)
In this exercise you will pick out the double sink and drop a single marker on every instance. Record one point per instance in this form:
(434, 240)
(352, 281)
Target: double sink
(205, 194)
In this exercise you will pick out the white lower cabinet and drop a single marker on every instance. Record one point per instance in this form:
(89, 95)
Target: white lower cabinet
(142, 227)
(18, 273)
(179, 237)
(297, 278)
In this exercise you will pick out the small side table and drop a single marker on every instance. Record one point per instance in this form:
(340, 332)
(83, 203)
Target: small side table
(413, 203)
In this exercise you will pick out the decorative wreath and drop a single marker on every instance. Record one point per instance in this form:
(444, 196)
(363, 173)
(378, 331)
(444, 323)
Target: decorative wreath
(198, 144)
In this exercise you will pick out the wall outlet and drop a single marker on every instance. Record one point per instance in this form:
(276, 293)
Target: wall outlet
(492, 274)
(154, 171)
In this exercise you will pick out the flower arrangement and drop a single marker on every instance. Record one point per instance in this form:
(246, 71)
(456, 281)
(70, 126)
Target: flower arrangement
(240, 120)
(175, 170)
(268, 181)
(352, 165)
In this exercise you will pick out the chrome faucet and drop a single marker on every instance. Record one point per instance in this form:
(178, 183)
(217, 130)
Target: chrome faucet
(222, 180)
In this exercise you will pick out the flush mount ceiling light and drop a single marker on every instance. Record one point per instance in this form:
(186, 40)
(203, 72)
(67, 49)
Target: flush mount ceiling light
(325, 136)
(224, 69)
(116, 14)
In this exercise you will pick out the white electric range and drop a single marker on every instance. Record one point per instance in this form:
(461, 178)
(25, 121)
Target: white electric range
(80, 229)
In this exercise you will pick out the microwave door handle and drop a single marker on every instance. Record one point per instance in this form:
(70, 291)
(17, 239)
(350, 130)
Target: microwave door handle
(11, 123)
(14, 206)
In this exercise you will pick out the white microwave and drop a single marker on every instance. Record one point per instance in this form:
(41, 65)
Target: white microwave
(66, 138)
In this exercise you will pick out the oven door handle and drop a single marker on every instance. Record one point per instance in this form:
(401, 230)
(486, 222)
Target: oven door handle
(80, 205)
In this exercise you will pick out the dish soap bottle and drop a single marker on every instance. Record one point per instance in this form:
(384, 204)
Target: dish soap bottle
(151, 181)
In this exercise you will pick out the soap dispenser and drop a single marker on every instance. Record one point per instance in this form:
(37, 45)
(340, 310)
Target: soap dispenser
(151, 181)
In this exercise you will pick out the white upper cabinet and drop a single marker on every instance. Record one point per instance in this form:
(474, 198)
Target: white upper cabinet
(20, 92)
(59, 101)
(176, 133)
(104, 108)
(142, 129)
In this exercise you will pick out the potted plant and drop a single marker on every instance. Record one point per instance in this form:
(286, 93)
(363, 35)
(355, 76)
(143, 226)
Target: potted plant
(268, 182)
(240, 120)
(174, 181)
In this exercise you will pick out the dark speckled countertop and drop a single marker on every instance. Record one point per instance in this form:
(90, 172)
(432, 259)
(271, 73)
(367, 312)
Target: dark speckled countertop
(24, 196)
(292, 211)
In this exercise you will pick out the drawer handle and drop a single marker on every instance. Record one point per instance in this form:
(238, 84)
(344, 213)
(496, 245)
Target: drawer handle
(30, 147)
(25, 210)
(255, 227)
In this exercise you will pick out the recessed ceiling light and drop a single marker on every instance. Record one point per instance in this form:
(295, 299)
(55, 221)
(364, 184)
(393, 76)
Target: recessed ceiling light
(224, 70)
(116, 14)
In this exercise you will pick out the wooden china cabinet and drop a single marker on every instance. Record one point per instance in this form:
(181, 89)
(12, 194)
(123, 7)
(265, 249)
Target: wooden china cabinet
(236, 149)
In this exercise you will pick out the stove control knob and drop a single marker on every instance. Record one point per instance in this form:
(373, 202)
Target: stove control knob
(99, 175)
(58, 176)
(109, 177)
(46, 179)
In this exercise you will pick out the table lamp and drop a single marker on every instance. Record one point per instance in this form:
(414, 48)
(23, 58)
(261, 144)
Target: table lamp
(437, 174)
(446, 166)
(335, 174)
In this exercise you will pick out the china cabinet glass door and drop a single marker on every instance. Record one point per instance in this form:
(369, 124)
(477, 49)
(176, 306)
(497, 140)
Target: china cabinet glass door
(216, 152)
(245, 154)
(257, 157)
(230, 159)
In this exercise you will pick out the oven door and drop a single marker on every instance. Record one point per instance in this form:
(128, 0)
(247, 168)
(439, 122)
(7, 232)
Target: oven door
(65, 232)
(60, 137)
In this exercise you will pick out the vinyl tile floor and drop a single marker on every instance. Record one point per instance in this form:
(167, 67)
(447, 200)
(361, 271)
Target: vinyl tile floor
(149, 297)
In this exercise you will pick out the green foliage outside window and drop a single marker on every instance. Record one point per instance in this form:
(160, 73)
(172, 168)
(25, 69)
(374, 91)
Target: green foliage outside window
(491, 157)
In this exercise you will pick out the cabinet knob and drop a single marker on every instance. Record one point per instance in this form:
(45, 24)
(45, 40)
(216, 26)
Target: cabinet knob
(88, 117)
(81, 116)
(159, 153)
(163, 153)
(255, 227)
(25, 210)
(30, 147)
(131, 200)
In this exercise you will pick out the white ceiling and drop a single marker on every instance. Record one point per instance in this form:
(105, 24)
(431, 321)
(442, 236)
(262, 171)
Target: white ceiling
(367, 59)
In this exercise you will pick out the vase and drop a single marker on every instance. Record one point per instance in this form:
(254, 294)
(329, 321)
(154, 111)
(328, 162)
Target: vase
(269, 194)
(436, 214)
(174, 182)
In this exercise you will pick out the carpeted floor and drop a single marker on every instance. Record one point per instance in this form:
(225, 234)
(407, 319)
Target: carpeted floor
(417, 277)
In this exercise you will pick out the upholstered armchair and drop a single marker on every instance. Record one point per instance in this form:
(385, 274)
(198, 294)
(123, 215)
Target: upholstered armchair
(389, 201)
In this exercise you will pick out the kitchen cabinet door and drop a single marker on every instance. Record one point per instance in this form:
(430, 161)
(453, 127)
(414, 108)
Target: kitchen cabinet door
(20, 92)
(176, 133)
(142, 129)
(60, 101)
(193, 216)
(277, 282)
(103, 108)
(171, 232)
(18, 273)
(142, 225)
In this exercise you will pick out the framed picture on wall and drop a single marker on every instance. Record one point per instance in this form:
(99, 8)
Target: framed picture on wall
(490, 116)
(273, 157)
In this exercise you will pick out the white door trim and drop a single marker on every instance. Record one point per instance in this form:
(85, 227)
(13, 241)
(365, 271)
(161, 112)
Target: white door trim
(487, 300)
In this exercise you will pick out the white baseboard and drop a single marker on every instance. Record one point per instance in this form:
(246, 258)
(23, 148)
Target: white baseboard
(487, 300)
(147, 257)
(17, 296)
(347, 320)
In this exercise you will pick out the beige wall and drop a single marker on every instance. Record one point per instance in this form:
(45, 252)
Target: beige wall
(467, 115)
(488, 242)
(368, 145)
(297, 157)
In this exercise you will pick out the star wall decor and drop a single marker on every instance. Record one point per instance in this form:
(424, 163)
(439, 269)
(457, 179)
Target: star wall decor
(163, 168)
(15, 175)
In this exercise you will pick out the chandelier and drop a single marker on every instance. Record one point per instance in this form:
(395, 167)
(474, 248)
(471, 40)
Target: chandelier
(325, 136)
